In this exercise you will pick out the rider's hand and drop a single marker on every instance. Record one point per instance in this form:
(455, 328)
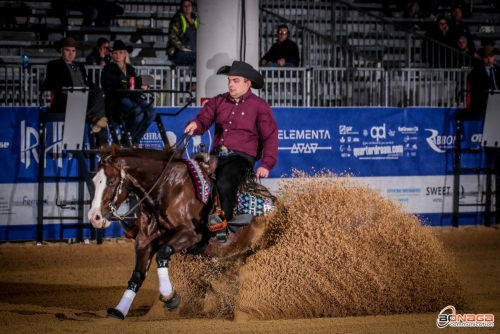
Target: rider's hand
(190, 128)
(281, 62)
(262, 172)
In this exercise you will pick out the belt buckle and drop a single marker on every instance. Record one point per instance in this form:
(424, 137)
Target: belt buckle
(221, 149)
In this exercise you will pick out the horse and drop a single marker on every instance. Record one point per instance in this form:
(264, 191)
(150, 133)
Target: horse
(170, 219)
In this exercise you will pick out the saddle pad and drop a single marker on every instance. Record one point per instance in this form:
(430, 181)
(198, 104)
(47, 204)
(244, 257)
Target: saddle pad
(253, 204)
(203, 189)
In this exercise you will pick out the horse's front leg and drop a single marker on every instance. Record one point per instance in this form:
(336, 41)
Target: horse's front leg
(143, 260)
(182, 239)
(145, 248)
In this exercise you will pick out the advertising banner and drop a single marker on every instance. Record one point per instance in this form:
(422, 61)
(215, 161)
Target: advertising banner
(406, 154)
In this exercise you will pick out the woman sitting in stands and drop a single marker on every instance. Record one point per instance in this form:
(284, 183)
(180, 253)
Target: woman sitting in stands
(181, 45)
(137, 113)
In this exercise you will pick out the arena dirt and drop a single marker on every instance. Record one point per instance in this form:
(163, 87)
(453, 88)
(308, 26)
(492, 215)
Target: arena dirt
(336, 256)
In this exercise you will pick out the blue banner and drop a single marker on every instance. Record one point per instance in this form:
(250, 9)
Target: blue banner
(408, 153)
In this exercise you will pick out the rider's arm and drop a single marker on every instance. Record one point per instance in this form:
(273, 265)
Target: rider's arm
(205, 117)
(268, 130)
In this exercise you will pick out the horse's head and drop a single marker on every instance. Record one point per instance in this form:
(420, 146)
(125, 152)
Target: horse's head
(111, 188)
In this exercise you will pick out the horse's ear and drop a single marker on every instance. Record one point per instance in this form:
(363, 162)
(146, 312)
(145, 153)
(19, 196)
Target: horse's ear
(116, 151)
(102, 150)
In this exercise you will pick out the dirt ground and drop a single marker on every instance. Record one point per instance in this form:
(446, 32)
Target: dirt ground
(61, 288)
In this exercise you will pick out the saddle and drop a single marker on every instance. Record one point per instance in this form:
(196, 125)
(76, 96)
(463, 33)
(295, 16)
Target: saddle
(254, 199)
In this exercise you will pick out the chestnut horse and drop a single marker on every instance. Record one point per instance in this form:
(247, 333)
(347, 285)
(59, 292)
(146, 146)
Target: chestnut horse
(169, 218)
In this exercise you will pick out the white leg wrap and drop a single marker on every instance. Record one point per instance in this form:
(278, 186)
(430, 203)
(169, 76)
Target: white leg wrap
(124, 304)
(165, 285)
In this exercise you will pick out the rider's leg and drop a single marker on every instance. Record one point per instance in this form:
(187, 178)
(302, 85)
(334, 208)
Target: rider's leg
(231, 173)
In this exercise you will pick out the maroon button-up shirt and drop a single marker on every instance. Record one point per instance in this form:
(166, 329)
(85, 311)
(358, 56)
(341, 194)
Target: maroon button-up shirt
(246, 126)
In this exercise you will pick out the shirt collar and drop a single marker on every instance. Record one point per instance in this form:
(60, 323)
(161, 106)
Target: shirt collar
(243, 98)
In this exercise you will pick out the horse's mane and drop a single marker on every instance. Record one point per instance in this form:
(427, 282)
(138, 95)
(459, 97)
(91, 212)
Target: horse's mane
(165, 154)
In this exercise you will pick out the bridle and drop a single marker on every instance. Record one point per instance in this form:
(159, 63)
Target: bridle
(123, 174)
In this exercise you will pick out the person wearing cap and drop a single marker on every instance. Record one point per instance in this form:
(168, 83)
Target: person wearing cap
(182, 36)
(245, 131)
(65, 72)
(101, 54)
(484, 77)
(460, 28)
(137, 113)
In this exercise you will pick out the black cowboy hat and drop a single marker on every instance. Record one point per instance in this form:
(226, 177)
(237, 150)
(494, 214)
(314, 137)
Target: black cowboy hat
(67, 41)
(487, 51)
(242, 69)
(119, 45)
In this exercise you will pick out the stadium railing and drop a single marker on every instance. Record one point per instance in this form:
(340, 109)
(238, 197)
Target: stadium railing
(321, 87)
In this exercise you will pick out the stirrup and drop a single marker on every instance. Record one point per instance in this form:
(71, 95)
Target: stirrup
(221, 236)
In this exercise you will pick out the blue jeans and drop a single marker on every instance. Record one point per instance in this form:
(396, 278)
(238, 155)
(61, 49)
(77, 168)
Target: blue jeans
(275, 74)
(138, 115)
(183, 58)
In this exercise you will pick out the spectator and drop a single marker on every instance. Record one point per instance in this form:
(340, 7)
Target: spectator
(459, 28)
(106, 11)
(64, 72)
(181, 45)
(283, 53)
(137, 113)
(438, 55)
(428, 8)
(460, 60)
(463, 46)
(63, 7)
(483, 77)
(101, 54)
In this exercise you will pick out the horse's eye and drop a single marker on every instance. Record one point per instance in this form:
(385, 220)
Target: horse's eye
(111, 183)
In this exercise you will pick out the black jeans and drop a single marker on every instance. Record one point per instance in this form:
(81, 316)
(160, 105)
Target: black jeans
(232, 171)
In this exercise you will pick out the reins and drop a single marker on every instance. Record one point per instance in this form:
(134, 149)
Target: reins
(123, 174)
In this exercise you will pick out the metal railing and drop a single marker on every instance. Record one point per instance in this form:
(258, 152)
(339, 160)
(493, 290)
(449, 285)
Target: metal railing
(334, 87)
(339, 34)
(20, 87)
(285, 86)
(297, 86)
(426, 87)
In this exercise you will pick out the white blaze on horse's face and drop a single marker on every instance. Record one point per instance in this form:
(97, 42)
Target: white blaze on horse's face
(95, 214)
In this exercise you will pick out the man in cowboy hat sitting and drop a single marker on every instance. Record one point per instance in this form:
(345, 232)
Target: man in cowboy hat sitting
(245, 131)
(64, 72)
(484, 77)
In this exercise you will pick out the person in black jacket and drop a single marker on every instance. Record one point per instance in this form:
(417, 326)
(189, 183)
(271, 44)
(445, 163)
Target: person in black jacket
(460, 28)
(64, 72)
(484, 77)
(137, 113)
(283, 53)
(438, 55)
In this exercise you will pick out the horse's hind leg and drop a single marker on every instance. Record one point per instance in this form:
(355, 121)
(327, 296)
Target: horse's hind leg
(181, 240)
(167, 294)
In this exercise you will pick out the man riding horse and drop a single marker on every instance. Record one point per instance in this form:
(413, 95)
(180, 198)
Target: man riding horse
(245, 131)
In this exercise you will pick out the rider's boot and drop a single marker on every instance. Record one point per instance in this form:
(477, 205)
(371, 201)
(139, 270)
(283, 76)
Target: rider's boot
(218, 225)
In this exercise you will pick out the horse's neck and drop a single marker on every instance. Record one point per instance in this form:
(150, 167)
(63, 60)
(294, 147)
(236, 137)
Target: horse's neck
(144, 173)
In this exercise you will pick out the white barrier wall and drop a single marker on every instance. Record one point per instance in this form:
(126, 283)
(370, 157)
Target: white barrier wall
(220, 39)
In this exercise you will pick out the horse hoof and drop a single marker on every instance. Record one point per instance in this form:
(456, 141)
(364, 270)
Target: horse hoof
(114, 313)
(173, 304)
